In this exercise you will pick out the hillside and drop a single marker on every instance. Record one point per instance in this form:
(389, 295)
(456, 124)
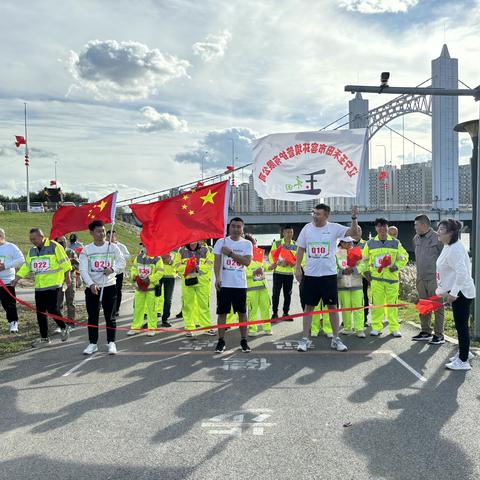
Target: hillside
(17, 225)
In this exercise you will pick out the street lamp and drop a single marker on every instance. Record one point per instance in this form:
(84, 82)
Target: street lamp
(471, 127)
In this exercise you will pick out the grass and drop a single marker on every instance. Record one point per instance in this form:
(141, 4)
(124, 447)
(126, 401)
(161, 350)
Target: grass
(17, 226)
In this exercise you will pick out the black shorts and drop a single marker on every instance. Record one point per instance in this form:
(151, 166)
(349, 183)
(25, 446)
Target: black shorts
(320, 288)
(228, 298)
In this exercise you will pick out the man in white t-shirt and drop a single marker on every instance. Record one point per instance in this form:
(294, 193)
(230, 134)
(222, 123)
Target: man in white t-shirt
(318, 240)
(100, 262)
(232, 255)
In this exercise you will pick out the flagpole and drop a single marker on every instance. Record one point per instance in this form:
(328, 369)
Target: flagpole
(27, 159)
(113, 212)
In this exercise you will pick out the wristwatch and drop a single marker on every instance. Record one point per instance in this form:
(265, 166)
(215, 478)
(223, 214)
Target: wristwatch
(354, 218)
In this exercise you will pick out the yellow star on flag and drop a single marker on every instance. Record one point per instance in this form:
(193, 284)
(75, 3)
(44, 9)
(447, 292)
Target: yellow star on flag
(101, 205)
(185, 197)
(208, 198)
(184, 206)
(191, 212)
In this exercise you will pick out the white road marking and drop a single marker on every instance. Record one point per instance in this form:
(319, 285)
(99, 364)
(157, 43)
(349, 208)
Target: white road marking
(76, 367)
(408, 367)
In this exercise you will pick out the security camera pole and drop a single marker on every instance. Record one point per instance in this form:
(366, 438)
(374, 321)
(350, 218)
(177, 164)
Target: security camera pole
(461, 92)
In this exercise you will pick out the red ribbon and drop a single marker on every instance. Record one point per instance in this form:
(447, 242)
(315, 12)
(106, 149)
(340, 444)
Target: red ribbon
(225, 325)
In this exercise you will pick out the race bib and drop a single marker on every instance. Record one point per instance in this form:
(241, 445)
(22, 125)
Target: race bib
(318, 249)
(99, 262)
(257, 277)
(40, 264)
(144, 271)
(378, 259)
(232, 265)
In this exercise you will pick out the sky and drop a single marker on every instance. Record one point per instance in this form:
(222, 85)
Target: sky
(136, 96)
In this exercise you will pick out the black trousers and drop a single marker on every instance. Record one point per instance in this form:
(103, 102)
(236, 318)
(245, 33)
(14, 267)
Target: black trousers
(9, 304)
(119, 284)
(461, 317)
(47, 301)
(109, 301)
(280, 282)
(167, 284)
(365, 286)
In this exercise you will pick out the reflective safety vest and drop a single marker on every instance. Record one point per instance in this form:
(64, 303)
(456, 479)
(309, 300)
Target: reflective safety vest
(168, 265)
(145, 267)
(48, 264)
(205, 259)
(256, 276)
(287, 269)
(375, 250)
(351, 281)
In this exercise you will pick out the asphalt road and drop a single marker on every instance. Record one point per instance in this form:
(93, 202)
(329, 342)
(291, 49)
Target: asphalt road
(168, 408)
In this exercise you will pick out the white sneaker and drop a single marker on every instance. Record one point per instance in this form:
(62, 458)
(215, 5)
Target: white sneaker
(189, 334)
(133, 332)
(458, 365)
(374, 333)
(338, 345)
(361, 334)
(58, 330)
(304, 344)
(112, 348)
(252, 334)
(268, 332)
(329, 335)
(150, 333)
(347, 332)
(396, 334)
(470, 356)
(13, 327)
(211, 332)
(91, 348)
(65, 333)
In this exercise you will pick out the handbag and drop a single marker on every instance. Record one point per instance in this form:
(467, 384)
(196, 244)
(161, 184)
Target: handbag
(191, 281)
(158, 290)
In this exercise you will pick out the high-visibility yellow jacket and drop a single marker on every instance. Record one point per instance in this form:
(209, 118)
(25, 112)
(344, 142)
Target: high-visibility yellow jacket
(287, 269)
(256, 276)
(373, 252)
(48, 264)
(169, 265)
(145, 267)
(205, 259)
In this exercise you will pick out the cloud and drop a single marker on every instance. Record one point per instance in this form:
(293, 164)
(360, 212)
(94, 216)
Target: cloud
(213, 47)
(215, 148)
(161, 121)
(123, 70)
(378, 6)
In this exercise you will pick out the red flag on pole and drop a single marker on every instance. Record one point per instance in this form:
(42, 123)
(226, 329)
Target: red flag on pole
(354, 255)
(427, 305)
(190, 266)
(258, 254)
(53, 183)
(19, 140)
(383, 175)
(71, 219)
(189, 217)
(288, 256)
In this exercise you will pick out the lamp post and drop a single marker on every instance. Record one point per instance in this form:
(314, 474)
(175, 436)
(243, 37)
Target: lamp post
(460, 92)
(385, 179)
(471, 127)
(233, 159)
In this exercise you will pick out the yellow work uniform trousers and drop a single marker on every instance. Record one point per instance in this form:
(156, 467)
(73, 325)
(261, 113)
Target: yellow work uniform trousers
(351, 299)
(258, 302)
(196, 306)
(144, 302)
(384, 293)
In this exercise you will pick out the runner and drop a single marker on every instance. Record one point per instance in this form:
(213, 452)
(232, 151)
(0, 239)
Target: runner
(100, 261)
(319, 239)
(232, 255)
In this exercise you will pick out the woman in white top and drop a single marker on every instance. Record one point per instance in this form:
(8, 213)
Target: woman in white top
(455, 284)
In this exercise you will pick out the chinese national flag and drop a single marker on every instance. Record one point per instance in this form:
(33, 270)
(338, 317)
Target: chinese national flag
(190, 266)
(258, 254)
(19, 140)
(354, 255)
(189, 217)
(288, 256)
(72, 219)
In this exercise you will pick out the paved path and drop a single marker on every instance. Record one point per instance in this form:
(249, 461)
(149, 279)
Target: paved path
(169, 408)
